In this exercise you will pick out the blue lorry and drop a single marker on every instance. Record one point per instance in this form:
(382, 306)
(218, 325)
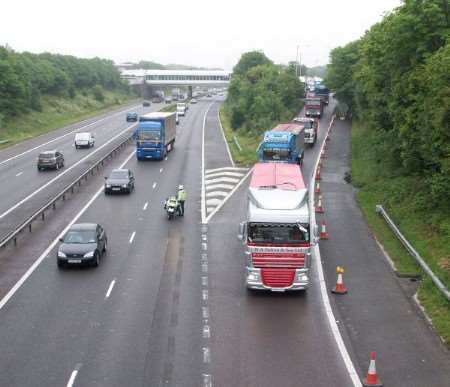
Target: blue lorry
(155, 135)
(283, 144)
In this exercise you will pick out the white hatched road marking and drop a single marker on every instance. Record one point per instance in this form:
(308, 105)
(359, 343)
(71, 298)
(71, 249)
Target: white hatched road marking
(219, 182)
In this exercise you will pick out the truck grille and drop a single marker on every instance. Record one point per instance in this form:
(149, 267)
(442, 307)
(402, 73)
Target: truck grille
(277, 278)
(279, 260)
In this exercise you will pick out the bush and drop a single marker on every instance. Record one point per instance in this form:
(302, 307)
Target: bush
(97, 91)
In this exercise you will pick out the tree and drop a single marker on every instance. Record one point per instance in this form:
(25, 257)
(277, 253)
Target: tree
(249, 60)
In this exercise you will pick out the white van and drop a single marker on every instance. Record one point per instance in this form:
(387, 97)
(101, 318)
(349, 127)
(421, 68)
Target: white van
(84, 140)
(181, 109)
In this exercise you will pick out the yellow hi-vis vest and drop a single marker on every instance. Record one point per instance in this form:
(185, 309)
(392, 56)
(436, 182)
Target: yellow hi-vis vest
(181, 195)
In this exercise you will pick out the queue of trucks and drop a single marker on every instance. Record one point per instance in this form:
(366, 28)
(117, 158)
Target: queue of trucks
(278, 233)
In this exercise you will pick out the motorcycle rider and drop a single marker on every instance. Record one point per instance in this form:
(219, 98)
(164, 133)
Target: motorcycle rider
(181, 197)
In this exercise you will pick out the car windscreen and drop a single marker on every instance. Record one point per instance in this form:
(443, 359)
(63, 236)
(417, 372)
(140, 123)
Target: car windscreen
(80, 236)
(118, 175)
(278, 233)
(276, 154)
(149, 135)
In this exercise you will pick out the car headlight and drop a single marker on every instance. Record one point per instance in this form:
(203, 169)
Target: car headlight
(61, 254)
(89, 255)
(124, 186)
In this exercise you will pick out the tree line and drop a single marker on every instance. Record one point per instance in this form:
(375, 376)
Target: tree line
(396, 80)
(25, 77)
(262, 93)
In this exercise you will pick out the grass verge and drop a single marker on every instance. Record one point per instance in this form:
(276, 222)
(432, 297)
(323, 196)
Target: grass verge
(379, 183)
(58, 112)
(169, 108)
(248, 142)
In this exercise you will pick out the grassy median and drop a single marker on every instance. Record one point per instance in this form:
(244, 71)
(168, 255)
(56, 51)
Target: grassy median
(58, 112)
(379, 183)
(248, 142)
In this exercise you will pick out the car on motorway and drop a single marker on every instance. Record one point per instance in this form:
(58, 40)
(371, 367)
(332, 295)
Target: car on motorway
(132, 117)
(51, 159)
(193, 100)
(168, 100)
(177, 119)
(84, 243)
(120, 180)
(208, 95)
(146, 103)
(84, 140)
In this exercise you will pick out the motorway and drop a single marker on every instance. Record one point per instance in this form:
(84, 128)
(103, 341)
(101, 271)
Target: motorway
(167, 306)
(24, 189)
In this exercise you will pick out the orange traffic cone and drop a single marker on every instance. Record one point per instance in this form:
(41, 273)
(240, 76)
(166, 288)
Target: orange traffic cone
(319, 207)
(317, 190)
(372, 379)
(323, 155)
(323, 231)
(340, 287)
(318, 174)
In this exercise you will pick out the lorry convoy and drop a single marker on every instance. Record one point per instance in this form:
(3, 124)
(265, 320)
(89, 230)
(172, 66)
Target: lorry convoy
(277, 231)
(155, 135)
(310, 127)
(313, 107)
(282, 144)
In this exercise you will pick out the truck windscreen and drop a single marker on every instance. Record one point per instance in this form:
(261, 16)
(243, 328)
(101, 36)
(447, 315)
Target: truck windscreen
(312, 102)
(149, 135)
(276, 154)
(277, 233)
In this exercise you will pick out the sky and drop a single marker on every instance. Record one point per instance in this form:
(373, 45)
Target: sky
(192, 32)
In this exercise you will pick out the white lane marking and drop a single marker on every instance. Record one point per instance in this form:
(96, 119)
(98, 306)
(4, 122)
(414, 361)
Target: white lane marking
(162, 169)
(154, 185)
(210, 187)
(111, 286)
(225, 173)
(204, 281)
(63, 173)
(165, 158)
(228, 197)
(206, 355)
(47, 251)
(205, 312)
(323, 287)
(221, 180)
(65, 135)
(18, 174)
(203, 206)
(225, 139)
(73, 376)
(145, 206)
(132, 236)
(207, 380)
(206, 332)
(204, 294)
(204, 268)
(225, 169)
(218, 194)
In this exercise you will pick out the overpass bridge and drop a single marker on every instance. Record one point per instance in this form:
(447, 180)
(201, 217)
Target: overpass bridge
(153, 79)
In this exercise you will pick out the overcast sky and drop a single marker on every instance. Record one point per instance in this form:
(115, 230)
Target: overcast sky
(195, 32)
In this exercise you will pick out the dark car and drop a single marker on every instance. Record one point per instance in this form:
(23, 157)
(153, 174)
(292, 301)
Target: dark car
(146, 103)
(132, 117)
(84, 243)
(120, 180)
(50, 160)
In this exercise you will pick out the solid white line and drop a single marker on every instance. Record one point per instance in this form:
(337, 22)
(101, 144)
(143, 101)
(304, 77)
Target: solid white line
(203, 209)
(67, 134)
(72, 378)
(18, 174)
(33, 267)
(62, 173)
(132, 236)
(225, 139)
(154, 185)
(323, 287)
(226, 169)
(162, 169)
(108, 293)
(145, 206)
(228, 197)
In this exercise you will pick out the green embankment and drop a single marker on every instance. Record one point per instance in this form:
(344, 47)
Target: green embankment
(378, 183)
(58, 112)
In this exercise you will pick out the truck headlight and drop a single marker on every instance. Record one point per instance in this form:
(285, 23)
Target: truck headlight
(302, 277)
(253, 276)
(124, 186)
(61, 254)
(89, 255)
(108, 185)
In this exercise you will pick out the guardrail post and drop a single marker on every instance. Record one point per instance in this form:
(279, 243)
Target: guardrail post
(64, 196)
(71, 190)
(15, 241)
(29, 227)
(43, 215)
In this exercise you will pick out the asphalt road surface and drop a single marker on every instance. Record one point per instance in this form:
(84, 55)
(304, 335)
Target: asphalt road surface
(167, 306)
(24, 189)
